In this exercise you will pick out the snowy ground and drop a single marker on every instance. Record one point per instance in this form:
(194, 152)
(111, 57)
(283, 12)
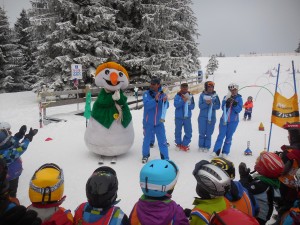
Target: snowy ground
(67, 149)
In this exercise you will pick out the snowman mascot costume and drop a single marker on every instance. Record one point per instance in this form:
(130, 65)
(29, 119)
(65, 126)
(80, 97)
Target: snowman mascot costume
(110, 129)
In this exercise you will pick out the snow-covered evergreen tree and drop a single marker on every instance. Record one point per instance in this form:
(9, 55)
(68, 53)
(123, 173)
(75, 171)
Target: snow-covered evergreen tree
(298, 49)
(24, 40)
(159, 36)
(11, 59)
(85, 34)
(212, 65)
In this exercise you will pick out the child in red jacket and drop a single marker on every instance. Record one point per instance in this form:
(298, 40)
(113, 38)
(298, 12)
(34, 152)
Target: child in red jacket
(248, 108)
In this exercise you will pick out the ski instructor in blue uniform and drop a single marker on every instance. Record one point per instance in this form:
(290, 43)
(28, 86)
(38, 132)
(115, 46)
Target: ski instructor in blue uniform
(209, 102)
(232, 105)
(153, 100)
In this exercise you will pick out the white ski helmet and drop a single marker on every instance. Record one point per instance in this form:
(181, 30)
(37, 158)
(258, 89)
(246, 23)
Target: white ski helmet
(233, 86)
(212, 181)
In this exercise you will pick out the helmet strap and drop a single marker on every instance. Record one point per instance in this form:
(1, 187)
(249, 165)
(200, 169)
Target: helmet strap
(48, 205)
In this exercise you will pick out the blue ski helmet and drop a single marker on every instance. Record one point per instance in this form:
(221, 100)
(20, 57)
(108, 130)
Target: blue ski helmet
(158, 177)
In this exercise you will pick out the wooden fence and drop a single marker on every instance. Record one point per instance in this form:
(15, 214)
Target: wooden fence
(48, 99)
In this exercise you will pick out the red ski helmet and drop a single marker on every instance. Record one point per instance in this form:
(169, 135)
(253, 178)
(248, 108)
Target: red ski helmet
(294, 132)
(269, 165)
(232, 216)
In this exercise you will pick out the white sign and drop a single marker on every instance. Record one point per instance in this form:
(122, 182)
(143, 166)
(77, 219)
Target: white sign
(76, 71)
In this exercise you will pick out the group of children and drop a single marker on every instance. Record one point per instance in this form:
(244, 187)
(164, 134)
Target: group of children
(222, 200)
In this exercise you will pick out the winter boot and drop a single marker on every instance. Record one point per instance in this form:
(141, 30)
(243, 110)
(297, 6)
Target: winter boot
(185, 148)
(145, 159)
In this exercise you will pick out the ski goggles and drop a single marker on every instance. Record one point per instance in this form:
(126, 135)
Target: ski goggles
(160, 187)
(210, 84)
(232, 87)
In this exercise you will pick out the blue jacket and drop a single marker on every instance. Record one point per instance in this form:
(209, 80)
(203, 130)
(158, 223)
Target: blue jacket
(233, 111)
(12, 157)
(152, 109)
(179, 106)
(204, 107)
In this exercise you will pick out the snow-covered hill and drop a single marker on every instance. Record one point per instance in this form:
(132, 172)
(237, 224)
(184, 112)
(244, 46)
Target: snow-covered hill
(67, 149)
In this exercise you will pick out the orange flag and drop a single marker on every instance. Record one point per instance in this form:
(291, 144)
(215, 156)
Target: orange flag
(285, 110)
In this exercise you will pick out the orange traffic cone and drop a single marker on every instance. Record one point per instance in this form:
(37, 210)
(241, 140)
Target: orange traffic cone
(261, 127)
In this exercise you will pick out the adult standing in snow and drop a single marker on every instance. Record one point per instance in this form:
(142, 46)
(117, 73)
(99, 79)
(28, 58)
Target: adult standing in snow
(154, 100)
(184, 104)
(11, 150)
(209, 102)
(232, 105)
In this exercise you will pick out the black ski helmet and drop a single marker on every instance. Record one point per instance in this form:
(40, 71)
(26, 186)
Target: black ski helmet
(294, 132)
(102, 187)
(3, 174)
(208, 84)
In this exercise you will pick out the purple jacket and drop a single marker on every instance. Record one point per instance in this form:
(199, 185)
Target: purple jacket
(14, 169)
(158, 212)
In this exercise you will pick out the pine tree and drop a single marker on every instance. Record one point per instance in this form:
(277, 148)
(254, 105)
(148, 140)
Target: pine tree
(85, 34)
(11, 58)
(4, 31)
(212, 65)
(24, 40)
(298, 49)
(159, 36)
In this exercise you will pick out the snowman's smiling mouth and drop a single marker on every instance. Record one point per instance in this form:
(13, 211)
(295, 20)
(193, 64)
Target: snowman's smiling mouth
(109, 82)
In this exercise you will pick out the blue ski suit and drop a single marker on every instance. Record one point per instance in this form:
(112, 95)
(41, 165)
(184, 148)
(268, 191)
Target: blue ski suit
(207, 118)
(152, 123)
(182, 121)
(228, 123)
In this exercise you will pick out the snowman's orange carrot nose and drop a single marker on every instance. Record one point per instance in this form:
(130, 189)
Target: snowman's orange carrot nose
(114, 78)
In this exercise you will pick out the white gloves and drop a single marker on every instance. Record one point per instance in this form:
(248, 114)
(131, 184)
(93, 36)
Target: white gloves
(116, 95)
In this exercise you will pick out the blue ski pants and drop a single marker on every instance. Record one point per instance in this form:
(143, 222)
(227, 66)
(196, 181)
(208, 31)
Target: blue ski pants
(206, 129)
(160, 133)
(225, 131)
(187, 127)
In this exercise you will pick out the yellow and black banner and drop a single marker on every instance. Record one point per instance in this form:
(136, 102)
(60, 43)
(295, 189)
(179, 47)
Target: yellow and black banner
(285, 109)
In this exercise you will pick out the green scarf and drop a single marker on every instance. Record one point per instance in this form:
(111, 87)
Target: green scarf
(105, 111)
(273, 182)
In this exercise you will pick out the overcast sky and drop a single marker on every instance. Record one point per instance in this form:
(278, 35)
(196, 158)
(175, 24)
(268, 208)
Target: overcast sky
(232, 27)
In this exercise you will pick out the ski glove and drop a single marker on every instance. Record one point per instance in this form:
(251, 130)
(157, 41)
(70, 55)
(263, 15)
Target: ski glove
(187, 212)
(20, 216)
(243, 170)
(116, 95)
(21, 132)
(31, 133)
(230, 101)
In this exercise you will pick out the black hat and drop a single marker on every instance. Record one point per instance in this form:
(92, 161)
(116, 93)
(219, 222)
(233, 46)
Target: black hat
(155, 80)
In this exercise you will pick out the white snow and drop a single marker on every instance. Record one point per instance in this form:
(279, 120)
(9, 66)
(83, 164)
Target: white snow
(67, 149)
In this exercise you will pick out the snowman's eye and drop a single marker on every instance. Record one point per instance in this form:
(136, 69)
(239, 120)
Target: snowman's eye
(106, 72)
(121, 74)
